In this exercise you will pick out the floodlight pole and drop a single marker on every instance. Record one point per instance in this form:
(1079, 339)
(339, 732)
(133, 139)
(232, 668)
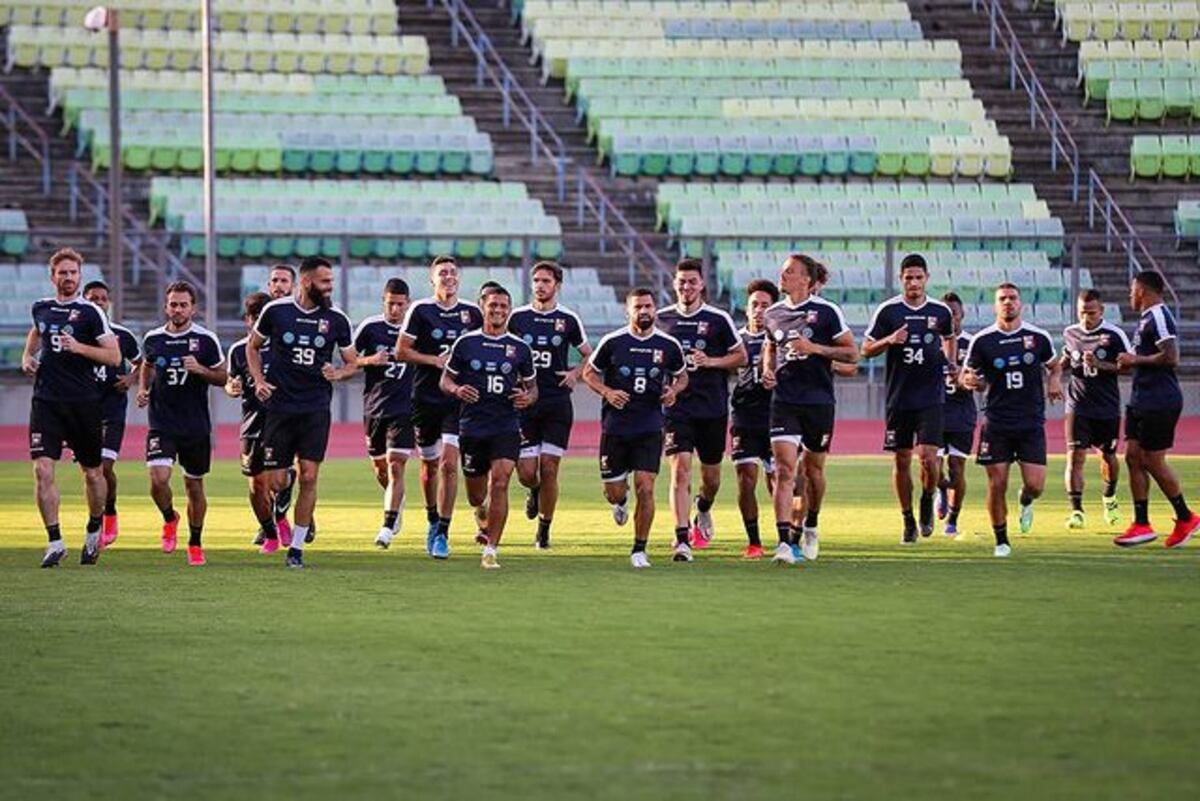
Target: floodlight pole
(116, 259)
(210, 237)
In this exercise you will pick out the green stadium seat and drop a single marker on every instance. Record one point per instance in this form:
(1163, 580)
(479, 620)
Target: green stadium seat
(1174, 156)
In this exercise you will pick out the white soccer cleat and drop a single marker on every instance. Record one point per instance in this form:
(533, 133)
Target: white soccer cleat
(783, 554)
(1026, 518)
(638, 560)
(810, 545)
(489, 560)
(620, 513)
(384, 538)
(681, 553)
(704, 522)
(1002, 551)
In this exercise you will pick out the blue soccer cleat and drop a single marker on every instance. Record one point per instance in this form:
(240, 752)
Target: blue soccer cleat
(440, 549)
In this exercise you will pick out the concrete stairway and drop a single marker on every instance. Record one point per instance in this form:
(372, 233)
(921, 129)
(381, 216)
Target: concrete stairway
(1148, 205)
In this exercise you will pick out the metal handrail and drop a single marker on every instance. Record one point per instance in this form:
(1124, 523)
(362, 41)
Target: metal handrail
(632, 243)
(14, 114)
(488, 61)
(1100, 199)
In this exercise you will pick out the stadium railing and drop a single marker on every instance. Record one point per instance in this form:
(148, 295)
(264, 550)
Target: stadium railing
(14, 117)
(644, 263)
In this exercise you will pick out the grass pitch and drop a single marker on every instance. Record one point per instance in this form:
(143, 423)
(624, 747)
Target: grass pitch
(1067, 671)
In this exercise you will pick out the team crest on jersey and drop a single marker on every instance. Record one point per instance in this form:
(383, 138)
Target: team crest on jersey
(932, 322)
(322, 326)
(510, 351)
(193, 345)
(1028, 342)
(812, 316)
(1105, 339)
(35, 439)
(701, 328)
(658, 356)
(465, 316)
(560, 324)
(73, 316)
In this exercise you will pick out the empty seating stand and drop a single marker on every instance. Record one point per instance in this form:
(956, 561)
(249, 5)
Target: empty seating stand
(14, 232)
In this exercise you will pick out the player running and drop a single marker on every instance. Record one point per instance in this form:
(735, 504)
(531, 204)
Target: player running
(637, 370)
(387, 403)
(304, 330)
(1093, 418)
(1011, 358)
(805, 335)
(182, 359)
(114, 401)
(958, 427)
(281, 283)
(550, 330)
(1152, 414)
(491, 372)
(273, 528)
(699, 419)
(751, 414)
(430, 329)
(68, 338)
(917, 333)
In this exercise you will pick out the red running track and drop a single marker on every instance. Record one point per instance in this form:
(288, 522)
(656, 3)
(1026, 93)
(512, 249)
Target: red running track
(851, 437)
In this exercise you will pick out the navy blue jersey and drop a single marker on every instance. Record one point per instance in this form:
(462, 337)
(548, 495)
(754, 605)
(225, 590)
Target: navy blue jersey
(387, 390)
(641, 367)
(494, 366)
(301, 342)
(112, 402)
(179, 399)
(1154, 388)
(433, 328)
(712, 332)
(916, 369)
(252, 408)
(960, 412)
(804, 380)
(551, 335)
(1013, 365)
(63, 376)
(751, 401)
(1091, 392)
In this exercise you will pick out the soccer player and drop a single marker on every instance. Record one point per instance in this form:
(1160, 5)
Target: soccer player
(917, 334)
(115, 384)
(182, 359)
(273, 528)
(751, 414)
(281, 283)
(550, 330)
(637, 370)
(387, 403)
(1012, 358)
(304, 330)
(430, 329)
(1093, 404)
(490, 371)
(68, 338)
(958, 427)
(699, 419)
(805, 334)
(1152, 413)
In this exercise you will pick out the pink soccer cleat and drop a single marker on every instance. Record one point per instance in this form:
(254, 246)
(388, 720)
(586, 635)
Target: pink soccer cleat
(109, 531)
(170, 531)
(285, 532)
(269, 545)
(195, 555)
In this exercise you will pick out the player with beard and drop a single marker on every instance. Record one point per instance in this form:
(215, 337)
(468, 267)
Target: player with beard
(806, 334)
(1093, 420)
(68, 337)
(431, 326)
(273, 527)
(1011, 358)
(958, 427)
(182, 359)
(751, 414)
(550, 330)
(699, 420)
(637, 370)
(304, 331)
(115, 384)
(490, 371)
(916, 333)
(387, 403)
(1153, 413)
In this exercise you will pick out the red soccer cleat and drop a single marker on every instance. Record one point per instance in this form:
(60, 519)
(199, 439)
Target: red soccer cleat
(699, 538)
(1136, 534)
(109, 531)
(1183, 531)
(285, 532)
(753, 552)
(195, 555)
(169, 532)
